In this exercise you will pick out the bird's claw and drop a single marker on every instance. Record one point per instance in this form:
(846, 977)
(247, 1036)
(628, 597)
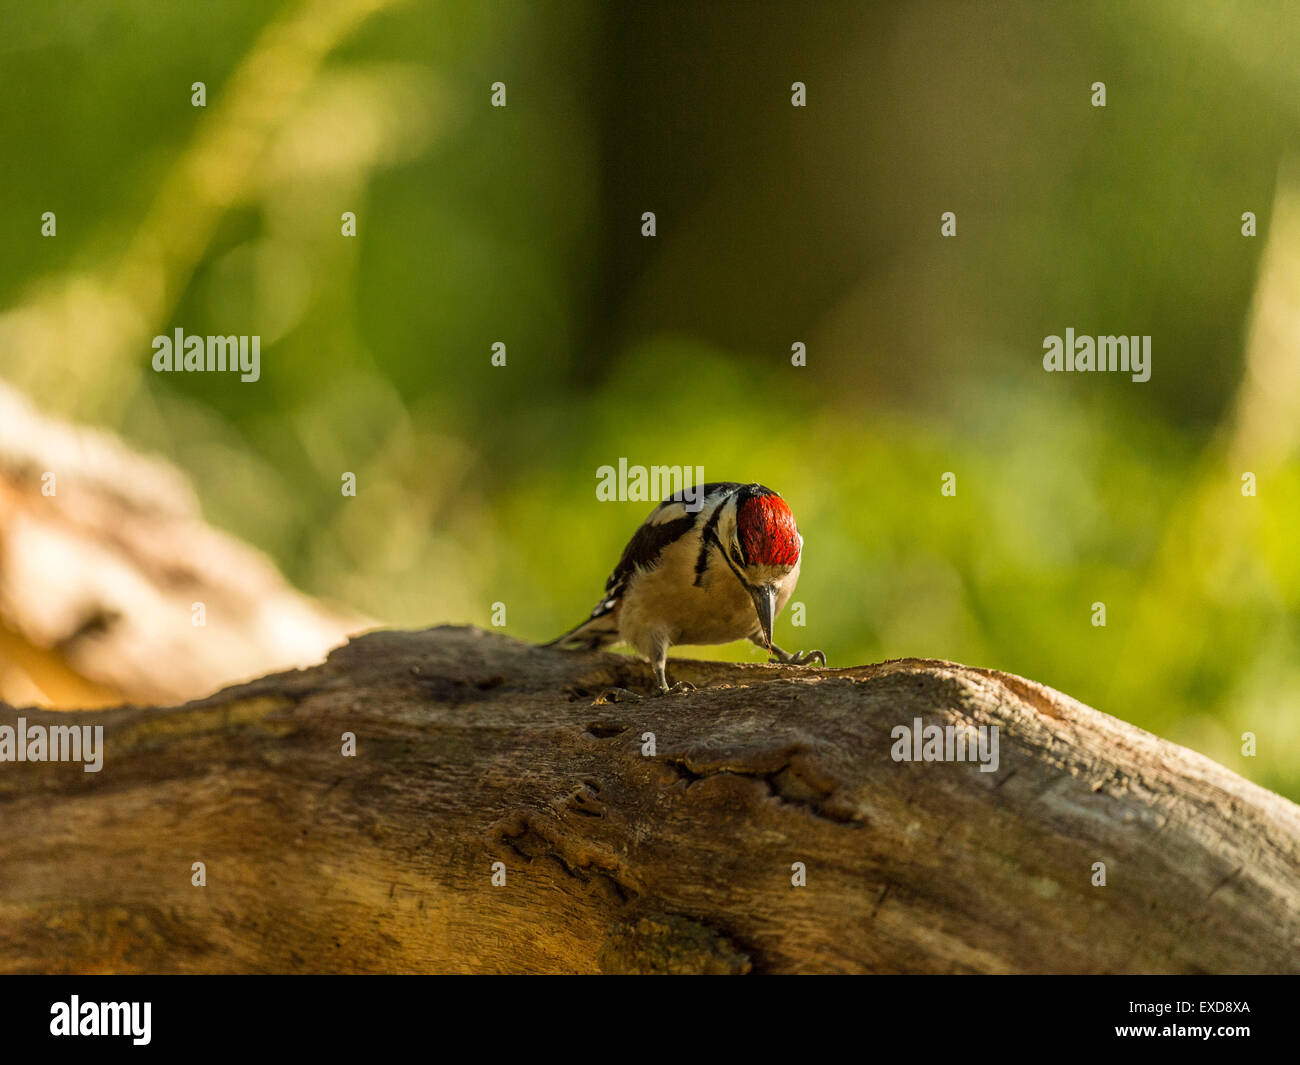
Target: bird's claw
(616, 695)
(680, 688)
(800, 658)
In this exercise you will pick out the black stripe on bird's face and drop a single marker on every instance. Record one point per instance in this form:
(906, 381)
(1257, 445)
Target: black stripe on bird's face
(709, 537)
(736, 564)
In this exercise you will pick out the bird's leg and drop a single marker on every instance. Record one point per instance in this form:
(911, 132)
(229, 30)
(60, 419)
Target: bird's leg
(799, 658)
(660, 662)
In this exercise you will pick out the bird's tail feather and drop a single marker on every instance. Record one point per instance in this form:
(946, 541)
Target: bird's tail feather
(590, 635)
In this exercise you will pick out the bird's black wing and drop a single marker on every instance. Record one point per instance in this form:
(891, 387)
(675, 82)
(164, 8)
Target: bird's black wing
(655, 534)
(642, 552)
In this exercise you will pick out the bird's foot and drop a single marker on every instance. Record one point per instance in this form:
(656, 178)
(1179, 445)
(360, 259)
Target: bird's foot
(680, 688)
(799, 658)
(616, 695)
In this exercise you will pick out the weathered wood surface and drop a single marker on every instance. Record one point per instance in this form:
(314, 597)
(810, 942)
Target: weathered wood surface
(473, 748)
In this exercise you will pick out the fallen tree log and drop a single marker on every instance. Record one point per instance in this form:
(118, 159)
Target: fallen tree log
(474, 749)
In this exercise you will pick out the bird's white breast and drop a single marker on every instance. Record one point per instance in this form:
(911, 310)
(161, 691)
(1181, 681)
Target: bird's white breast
(666, 603)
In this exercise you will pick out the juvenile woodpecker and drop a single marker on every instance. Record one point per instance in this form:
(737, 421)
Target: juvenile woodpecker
(713, 568)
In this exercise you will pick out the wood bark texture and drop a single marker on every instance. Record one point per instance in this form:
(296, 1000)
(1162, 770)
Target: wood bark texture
(473, 749)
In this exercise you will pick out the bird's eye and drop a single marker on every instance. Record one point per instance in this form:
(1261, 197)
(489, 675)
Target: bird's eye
(735, 556)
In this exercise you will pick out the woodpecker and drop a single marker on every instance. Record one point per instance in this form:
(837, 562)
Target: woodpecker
(712, 567)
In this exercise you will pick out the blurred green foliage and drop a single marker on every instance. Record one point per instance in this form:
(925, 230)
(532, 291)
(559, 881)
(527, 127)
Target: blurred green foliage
(775, 224)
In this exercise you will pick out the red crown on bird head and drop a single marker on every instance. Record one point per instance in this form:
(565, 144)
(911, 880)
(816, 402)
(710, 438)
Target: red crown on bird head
(768, 535)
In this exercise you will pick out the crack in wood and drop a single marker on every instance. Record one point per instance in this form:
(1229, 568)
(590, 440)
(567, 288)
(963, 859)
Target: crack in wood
(786, 783)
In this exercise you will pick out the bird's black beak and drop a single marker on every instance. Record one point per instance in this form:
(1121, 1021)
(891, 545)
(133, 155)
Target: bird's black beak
(764, 597)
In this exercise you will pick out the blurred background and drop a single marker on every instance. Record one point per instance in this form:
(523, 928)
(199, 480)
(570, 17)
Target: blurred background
(775, 225)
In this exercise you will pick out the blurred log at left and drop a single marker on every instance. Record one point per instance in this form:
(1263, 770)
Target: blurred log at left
(114, 589)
